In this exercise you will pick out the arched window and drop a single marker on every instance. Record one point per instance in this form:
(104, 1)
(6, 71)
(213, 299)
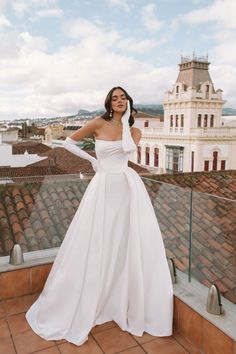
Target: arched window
(146, 124)
(182, 120)
(206, 165)
(177, 89)
(156, 157)
(212, 121)
(176, 120)
(214, 163)
(222, 165)
(199, 121)
(171, 120)
(192, 162)
(147, 155)
(139, 154)
(205, 120)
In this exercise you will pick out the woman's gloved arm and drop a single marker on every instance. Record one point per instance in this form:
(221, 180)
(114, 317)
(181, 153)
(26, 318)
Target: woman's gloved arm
(128, 143)
(70, 145)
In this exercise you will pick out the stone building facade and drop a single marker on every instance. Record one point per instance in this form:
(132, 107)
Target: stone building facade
(192, 136)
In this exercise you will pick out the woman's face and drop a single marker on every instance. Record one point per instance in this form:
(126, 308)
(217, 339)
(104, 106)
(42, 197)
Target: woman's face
(118, 101)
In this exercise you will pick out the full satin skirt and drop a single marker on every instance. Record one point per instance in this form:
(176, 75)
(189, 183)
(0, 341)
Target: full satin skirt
(111, 266)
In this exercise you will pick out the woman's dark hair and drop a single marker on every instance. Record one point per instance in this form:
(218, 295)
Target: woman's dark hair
(107, 105)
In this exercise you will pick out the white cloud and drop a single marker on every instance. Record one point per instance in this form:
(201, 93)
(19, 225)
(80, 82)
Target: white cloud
(93, 38)
(36, 8)
(75, 76)
(82, 28)
(4, 22)
(149, 18)
(3, 3)
(222, 12)
(33, 43)
(53, 12)
(135, 46)
(122, 4)
(223, 77)
(20, 7)
(79, 75)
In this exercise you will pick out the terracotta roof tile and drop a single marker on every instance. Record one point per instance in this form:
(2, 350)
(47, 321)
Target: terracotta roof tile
(16, 228)
(33, 147)
(214, 228)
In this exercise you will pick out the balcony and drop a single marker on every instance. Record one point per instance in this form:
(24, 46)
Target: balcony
(228, 132)
(199, 235)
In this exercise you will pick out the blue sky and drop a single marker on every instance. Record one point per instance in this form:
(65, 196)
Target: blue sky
(59, 56)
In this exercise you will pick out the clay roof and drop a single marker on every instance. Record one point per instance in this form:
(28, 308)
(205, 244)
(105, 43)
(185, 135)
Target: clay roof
(33, 147)
(193, 73)
(221, 183)
(140, 114)
(71, 163)
(213, 228)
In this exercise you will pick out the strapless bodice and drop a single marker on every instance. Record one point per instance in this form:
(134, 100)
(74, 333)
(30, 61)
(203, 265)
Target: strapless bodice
(110, 156)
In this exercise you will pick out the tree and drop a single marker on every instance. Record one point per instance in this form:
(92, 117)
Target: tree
(88, 144)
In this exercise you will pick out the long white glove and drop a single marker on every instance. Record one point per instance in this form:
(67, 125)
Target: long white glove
(70, 145)
(128, 143)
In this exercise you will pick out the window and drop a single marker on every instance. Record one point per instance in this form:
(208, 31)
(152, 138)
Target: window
(192, 162)
(176, 120)
(156, 157)
(177, 89)
(205, 120)
(146, 124)
(147, 153)
(212, 121)
(214, 163)
(207, 88)
(222, 167)
(199, 121)
(139, 154)
(171, 120)
(182, 120)
(206, 165)
(174, 159)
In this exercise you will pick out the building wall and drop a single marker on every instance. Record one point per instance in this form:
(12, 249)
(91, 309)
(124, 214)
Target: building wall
(9, 136)
(196, 143)
(202, 144)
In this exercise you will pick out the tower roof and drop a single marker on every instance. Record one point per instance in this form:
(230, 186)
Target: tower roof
(193, 71)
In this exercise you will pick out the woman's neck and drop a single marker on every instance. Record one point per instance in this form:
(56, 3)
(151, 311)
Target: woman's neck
(117, 116)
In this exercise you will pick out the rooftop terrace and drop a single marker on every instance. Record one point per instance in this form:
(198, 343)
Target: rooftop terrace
(199, 234)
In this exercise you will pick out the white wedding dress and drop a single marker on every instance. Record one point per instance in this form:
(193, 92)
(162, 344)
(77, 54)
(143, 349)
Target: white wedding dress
(112, 263)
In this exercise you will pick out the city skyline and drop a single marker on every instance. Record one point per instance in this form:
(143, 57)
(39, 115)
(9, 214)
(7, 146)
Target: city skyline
(57, 58)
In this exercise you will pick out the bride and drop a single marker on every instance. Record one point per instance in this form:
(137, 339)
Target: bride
(112, 263)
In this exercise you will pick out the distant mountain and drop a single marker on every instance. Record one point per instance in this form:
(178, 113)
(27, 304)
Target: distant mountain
(84, 112)
(229, 112)
(153, 109)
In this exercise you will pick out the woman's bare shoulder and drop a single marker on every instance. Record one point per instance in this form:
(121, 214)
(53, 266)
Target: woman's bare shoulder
(136, 131)
(136, 134)
(98, 121)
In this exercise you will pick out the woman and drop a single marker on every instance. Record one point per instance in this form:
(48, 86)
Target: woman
(112, 263)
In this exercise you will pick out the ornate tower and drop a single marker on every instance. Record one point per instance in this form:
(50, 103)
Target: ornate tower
(193, 102)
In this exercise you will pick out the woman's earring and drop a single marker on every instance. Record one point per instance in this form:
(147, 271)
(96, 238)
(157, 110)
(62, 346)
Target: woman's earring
(111, 112)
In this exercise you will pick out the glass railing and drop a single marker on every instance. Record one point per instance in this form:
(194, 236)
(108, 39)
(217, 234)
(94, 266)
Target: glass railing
(172, 207)
(198, 229)
(213, 246)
